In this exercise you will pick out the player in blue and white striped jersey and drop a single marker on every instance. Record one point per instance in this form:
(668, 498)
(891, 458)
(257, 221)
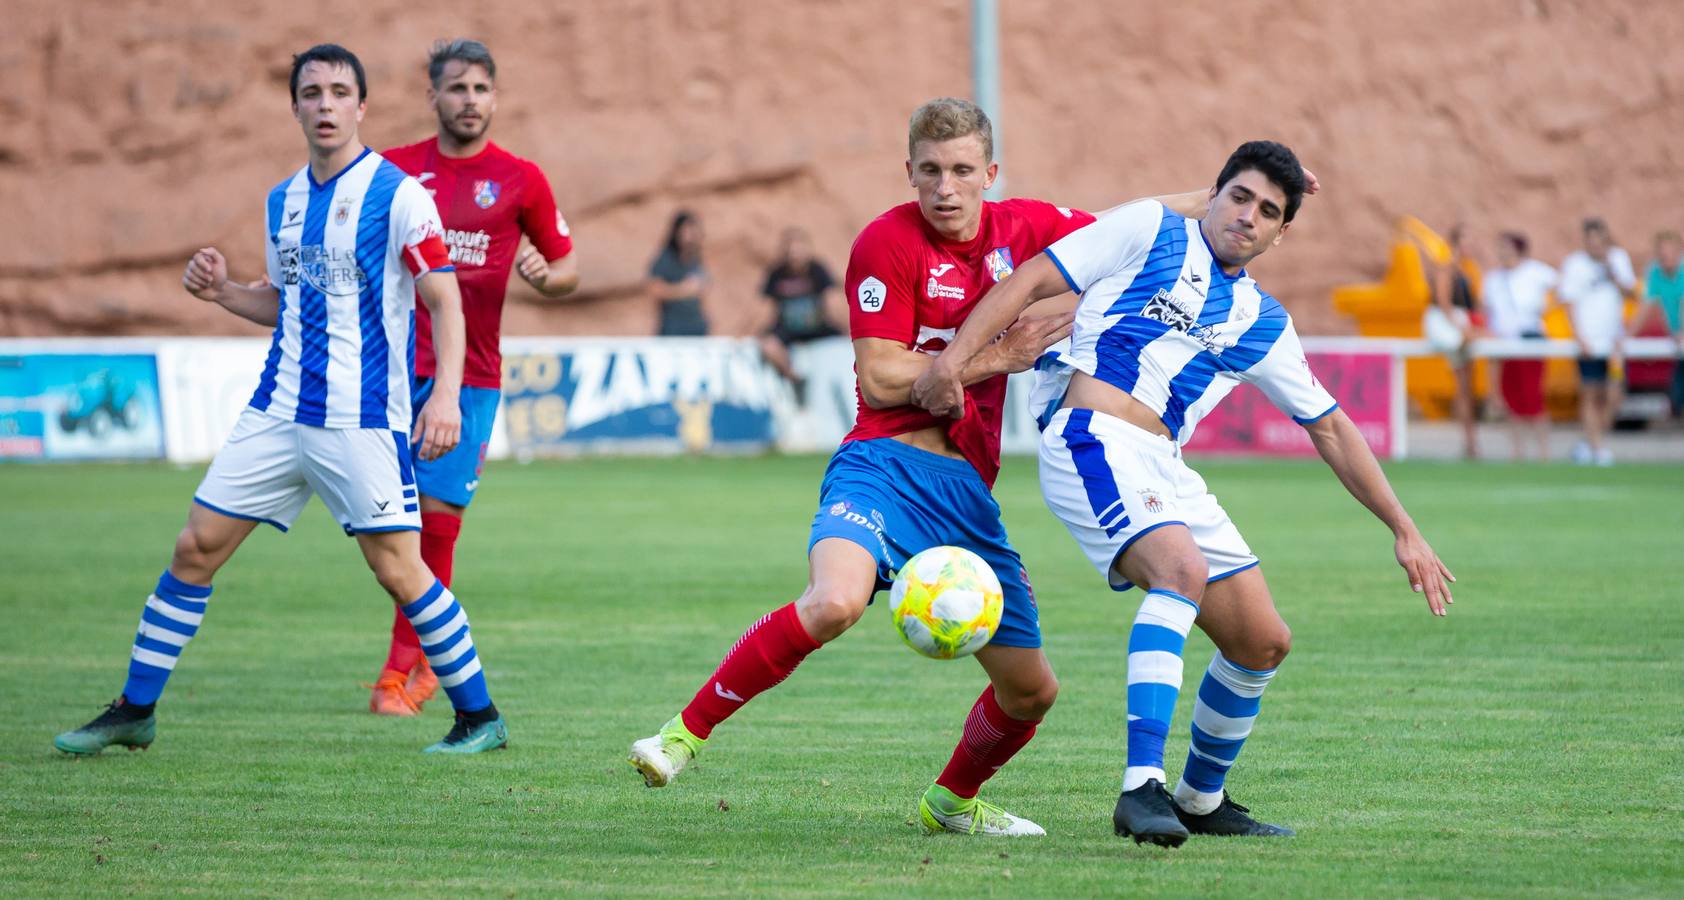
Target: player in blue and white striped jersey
(351, 240)
(1168, 323)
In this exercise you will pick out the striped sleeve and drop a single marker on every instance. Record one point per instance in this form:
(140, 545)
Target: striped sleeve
(1284, 376)
(416, 230)
(1109, 245)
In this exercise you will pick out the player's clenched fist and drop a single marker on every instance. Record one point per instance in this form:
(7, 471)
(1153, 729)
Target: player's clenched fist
(206, 274)
(532, 267)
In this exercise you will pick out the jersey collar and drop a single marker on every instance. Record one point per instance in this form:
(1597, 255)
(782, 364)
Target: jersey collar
(329, 183)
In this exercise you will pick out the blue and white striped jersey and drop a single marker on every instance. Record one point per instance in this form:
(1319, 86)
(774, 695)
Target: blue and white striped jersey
(344, 256)
(1161, 320)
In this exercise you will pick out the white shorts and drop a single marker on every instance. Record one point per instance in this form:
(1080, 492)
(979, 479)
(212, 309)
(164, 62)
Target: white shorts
(269, 467)
(1110, 482)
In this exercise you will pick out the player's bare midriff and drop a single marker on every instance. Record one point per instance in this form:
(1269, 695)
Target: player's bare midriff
(934, 439)
(1088, 392)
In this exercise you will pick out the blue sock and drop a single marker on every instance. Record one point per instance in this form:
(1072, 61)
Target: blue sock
(170, 619)
(442, 625)
(1155, 644)
(1229, 698)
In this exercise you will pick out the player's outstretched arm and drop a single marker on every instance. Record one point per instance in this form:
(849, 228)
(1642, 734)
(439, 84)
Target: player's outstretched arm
(552, 278)
(941, 388)
(1341, 444)
(888, 370)
(207, 278)
(439, 426)
(1194, 204)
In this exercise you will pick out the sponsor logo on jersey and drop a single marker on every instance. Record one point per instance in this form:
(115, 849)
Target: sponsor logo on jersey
(1165, 308)
(425, 177)
(467, 248)
(485, 193)
(872, 293)
(935, 290)
(332, 271)
(941, 270)
(999, 262)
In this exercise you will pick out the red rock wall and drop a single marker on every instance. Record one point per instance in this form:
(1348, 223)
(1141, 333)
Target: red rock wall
(141, 130)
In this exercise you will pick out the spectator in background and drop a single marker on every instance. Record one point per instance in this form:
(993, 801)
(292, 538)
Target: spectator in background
(799, 286)
(1663, 289)
(1449, 326)
(677, 279)
(1515, 295)
(1594, 284)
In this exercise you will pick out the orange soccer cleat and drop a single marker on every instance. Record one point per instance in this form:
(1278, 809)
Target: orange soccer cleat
(423, 684)
(390, 698)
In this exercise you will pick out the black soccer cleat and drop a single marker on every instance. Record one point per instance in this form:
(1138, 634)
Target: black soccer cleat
(1230, 819)
(1148, 815)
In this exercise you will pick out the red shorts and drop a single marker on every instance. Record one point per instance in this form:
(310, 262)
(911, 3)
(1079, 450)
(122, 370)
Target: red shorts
(1523, 386)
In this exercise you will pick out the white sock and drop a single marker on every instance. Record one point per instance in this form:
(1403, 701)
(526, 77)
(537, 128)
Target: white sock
(1196, 801)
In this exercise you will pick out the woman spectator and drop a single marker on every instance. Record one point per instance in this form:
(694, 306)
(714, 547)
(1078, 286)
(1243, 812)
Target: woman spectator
(799, 287)
(1516, 293)
(677, 279)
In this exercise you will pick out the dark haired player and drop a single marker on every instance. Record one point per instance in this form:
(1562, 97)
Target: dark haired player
(1168, 323)
(350, 239)
(904, 480)
(487, 198)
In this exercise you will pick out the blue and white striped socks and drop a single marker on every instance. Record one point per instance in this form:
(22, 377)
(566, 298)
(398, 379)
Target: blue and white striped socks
(1155, 645)
(170, 619)
(442, 625)
(1229, 698)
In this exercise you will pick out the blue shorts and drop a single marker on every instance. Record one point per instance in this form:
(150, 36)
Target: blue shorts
(454, 476)
(896, 501)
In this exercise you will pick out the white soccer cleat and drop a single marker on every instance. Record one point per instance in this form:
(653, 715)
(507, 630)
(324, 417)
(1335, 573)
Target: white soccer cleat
(976, 817)
(660, 758)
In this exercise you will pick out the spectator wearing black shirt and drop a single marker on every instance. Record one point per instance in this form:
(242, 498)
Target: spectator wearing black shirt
(799, 287)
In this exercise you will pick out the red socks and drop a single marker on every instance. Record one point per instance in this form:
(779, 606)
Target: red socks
(762, 657)
(438, 551)
(991, 738)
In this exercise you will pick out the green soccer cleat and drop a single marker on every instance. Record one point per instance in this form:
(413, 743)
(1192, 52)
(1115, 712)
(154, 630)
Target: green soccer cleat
(660, 758)
(467, 736)
(942, 810)
(119, 724)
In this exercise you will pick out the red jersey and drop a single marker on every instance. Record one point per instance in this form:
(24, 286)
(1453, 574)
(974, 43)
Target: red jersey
(486, 202)
(908, 284)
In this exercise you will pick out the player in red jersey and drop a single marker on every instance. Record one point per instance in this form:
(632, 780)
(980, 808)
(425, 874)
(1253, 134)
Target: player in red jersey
(904, 480)
(487, 198)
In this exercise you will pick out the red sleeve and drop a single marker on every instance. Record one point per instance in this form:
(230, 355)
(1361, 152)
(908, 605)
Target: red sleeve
(881, 284)
(540, 220)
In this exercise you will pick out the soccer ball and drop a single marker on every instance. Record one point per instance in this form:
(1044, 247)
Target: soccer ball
(946, 602)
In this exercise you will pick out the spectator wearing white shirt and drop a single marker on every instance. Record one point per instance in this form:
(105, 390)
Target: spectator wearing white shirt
(1594, 285)
(1515, 294)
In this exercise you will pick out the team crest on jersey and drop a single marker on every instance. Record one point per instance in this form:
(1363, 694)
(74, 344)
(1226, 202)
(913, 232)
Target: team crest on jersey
(1149, 498)
(999, 262)
(342, 212)
(485, 194)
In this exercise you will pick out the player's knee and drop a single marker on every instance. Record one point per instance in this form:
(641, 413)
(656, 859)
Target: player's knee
(194, 558)
(1268, 648)
(828, 611)
(1029, 703)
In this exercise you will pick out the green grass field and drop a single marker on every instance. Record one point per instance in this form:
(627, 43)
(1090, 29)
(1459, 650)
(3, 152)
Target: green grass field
(1530, 744)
